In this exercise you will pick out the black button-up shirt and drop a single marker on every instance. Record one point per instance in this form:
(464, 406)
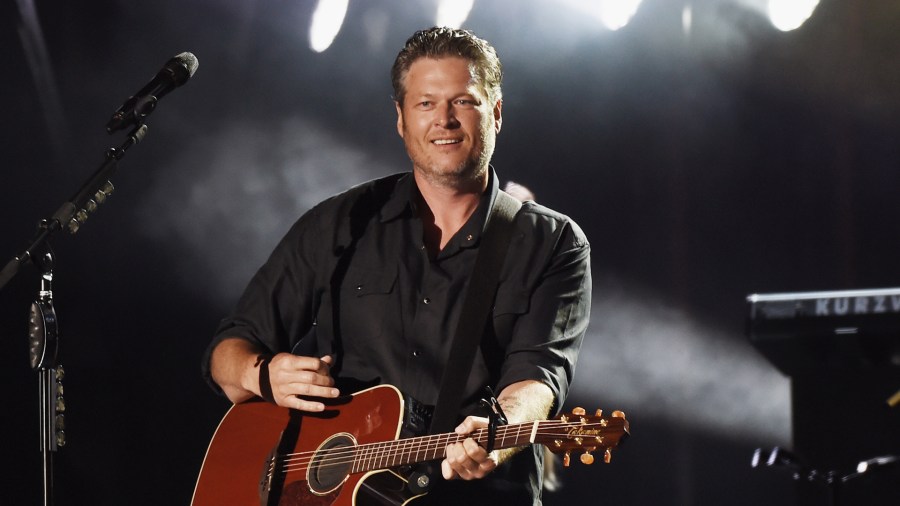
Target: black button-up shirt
(353, 278)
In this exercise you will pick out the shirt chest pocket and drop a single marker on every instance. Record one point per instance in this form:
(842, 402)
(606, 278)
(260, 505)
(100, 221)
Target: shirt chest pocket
(510, 304)
(368, 303)
(363, 284)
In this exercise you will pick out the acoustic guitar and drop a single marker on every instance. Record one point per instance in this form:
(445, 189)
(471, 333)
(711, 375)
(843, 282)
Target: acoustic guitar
(349, 454)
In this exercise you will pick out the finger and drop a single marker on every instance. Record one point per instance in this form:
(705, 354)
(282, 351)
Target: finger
(309, 377)
(302, 363)
(447, 471)
(456, 456)
(474, 451)
(288, 380)
(297, 403)
(470, 424)
(309, 390)
(460, 463)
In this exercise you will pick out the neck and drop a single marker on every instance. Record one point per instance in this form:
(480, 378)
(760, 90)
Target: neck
(446, 209)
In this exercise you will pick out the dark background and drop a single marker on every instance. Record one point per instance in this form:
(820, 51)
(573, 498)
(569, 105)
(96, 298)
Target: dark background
(703, 165)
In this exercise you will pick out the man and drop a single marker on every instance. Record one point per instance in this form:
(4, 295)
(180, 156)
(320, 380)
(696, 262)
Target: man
(367, 287)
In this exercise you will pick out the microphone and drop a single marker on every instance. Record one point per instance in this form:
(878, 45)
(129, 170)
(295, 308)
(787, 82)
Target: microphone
(174, 73)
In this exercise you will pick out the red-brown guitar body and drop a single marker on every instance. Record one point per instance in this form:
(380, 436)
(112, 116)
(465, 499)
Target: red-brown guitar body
(235, 464)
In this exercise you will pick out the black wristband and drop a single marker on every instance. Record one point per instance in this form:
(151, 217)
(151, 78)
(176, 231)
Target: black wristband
(265, 385)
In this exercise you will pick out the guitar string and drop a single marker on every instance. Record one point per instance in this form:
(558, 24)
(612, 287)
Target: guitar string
(374, 457)
(503, 433)
(435, 439)
(387, 451)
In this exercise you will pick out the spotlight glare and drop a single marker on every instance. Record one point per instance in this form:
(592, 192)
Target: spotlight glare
(453, 13)
(615, 14)
(687, 19)
(789, 15)
(326, 23)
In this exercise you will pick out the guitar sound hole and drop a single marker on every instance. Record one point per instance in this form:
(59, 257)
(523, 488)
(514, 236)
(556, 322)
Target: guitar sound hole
(331, 464)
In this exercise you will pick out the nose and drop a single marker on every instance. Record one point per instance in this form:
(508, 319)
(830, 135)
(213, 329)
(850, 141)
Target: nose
(445, 116)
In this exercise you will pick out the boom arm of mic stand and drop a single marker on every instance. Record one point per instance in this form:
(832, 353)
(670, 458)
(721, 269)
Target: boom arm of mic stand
(74, 212)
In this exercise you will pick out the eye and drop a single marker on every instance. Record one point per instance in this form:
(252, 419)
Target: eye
(425, 104)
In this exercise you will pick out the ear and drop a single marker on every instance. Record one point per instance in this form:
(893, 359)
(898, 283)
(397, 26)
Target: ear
(498, 116)
(399, 118)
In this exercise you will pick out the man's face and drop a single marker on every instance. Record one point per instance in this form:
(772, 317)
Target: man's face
(446, 121)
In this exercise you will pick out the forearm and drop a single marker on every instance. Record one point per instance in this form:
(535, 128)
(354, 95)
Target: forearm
(524, 401)
(234, 366)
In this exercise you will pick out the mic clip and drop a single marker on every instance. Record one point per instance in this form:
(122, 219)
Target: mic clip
(133, 112)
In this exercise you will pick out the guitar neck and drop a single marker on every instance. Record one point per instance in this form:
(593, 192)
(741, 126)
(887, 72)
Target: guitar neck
(387, 454)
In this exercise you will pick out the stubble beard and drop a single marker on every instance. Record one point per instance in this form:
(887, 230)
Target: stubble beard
(470, 173)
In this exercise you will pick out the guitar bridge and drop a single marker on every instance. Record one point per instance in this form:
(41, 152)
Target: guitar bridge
(270, 479)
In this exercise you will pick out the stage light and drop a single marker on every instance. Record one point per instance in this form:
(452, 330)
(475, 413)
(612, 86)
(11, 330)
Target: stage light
(789, 15)
(453, 13)
(326, 23)
(613, 14)
(687, 19)
(616, 14)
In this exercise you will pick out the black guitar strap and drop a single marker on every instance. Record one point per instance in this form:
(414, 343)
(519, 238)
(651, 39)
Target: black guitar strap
(476, 311)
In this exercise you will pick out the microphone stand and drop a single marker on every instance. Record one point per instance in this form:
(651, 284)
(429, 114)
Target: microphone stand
(43, 338)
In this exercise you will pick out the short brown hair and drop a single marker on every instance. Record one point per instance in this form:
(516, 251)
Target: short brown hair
(438, 42)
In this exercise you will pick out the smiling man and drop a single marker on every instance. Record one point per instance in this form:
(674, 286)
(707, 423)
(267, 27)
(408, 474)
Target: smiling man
(368, 287)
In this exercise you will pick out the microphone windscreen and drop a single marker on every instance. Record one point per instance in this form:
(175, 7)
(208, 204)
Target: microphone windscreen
(185, 65)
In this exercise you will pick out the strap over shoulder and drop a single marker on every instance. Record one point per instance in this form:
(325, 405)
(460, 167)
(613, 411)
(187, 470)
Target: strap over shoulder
(475, 311)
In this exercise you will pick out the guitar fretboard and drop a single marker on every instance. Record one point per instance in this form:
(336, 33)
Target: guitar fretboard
(383, 455)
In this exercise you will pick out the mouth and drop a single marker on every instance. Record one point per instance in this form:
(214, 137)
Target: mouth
(445, 142)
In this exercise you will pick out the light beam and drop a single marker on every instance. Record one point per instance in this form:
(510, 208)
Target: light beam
(645, 357)
(326, 23)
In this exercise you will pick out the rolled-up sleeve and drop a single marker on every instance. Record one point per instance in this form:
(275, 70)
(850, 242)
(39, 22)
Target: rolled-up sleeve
(276, 308)
(549, 290)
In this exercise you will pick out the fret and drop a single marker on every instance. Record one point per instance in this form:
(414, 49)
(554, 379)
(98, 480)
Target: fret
(424, 451)
(400, 452)
(406, 454)
(367, 462)
(396, 453)
(415, 456)
(361, 458)
(370, 456)
(379, 462)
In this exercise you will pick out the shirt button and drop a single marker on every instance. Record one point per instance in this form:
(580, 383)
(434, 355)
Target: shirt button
(415, 353)
(426, 300)
(358, 287)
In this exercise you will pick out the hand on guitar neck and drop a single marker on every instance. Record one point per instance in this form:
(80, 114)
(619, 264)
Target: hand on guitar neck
(522, 401)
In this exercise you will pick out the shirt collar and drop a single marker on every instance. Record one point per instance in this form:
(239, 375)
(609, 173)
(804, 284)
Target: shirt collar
(404, 196)
(400, 200)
